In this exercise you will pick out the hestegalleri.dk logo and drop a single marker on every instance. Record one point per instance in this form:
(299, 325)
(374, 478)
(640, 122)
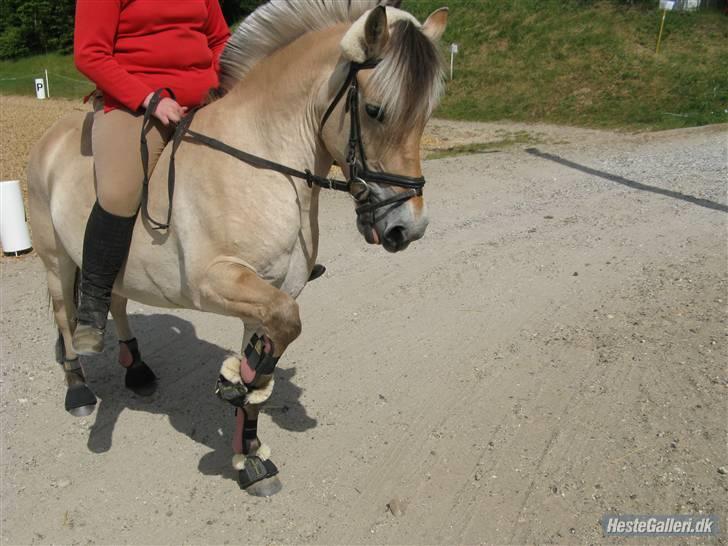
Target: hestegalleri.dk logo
(676, 525)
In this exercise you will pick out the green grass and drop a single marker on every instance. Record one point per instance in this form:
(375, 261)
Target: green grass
(583, 63)
(17, 77)
(577, 62)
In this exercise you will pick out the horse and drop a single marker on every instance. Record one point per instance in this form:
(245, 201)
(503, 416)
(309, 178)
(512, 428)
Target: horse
(243, 238)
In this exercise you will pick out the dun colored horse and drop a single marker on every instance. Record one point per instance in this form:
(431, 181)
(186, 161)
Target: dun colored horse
(303, 84)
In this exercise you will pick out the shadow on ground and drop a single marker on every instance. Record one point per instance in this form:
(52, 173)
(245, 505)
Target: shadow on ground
(707, 203)
(187, 368)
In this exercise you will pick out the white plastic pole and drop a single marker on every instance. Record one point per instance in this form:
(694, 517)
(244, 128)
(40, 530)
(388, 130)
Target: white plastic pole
(14, 234)
(40, 88)
(48, 86)
(453, 52)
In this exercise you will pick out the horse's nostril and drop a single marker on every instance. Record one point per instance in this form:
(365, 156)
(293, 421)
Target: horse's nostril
(396, 235)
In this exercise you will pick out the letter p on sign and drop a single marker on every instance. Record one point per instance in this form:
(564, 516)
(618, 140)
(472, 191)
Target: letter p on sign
(40, 90)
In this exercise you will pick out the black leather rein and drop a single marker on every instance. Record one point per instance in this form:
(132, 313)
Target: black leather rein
(357, 184)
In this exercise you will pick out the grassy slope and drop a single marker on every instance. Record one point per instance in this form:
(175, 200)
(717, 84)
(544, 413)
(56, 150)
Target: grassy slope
(579, 63)
(16, 77)
(562, 61)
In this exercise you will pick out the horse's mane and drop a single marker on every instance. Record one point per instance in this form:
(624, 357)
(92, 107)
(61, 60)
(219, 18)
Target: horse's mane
(278, 23)
(408, 80)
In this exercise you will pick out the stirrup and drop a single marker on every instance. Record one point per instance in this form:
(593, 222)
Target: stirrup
(88, 339)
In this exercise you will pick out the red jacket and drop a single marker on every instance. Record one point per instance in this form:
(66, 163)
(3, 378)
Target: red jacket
(130, 48)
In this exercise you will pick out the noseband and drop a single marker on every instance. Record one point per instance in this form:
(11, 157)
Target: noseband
(357, 184)
(360, 176)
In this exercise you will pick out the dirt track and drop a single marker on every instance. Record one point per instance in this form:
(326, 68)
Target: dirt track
(554, 349)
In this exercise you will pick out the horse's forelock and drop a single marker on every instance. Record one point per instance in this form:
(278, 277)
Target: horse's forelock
(409, 80)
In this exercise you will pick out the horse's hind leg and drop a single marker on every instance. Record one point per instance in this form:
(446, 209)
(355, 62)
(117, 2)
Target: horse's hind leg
(80, 400)
(139, 377)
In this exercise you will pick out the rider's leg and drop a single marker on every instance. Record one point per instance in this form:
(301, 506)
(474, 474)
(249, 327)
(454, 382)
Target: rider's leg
(118, 170)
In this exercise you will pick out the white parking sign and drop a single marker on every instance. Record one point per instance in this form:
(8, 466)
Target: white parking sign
(40, 88)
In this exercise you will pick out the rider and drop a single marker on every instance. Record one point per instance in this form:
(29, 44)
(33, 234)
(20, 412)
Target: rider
(129, 49)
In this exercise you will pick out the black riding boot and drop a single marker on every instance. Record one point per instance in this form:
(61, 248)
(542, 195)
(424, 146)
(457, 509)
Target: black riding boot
(105, 247)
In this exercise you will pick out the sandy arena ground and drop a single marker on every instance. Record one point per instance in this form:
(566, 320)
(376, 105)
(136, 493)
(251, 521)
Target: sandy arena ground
(553, 350)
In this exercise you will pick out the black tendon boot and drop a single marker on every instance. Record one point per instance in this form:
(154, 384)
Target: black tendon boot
(105, 247)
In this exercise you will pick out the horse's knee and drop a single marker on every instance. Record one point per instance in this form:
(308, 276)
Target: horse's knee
(282, 321)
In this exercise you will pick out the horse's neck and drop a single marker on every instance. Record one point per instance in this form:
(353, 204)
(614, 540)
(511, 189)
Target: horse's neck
(279, 102)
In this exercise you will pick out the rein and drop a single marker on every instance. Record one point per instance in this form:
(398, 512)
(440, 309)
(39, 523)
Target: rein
(357, 185)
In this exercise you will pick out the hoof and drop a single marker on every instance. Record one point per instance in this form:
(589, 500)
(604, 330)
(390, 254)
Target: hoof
(80, 400)
(140, 379)
(316, 272)
(82, 411)
(267, 487)
(259, 477)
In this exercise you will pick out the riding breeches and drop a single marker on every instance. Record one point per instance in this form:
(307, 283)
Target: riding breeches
(117, 160)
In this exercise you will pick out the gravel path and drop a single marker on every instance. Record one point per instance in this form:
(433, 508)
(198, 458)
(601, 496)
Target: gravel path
(554, 349)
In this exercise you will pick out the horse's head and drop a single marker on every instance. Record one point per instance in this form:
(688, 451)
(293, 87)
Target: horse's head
(394, 79)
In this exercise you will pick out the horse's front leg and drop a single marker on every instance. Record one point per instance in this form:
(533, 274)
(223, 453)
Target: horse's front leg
(247, 381)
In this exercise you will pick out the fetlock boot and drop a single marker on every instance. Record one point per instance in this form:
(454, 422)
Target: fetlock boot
(105, 247)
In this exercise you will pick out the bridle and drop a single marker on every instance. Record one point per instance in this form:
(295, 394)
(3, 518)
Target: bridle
(357, 184)
(360, 176)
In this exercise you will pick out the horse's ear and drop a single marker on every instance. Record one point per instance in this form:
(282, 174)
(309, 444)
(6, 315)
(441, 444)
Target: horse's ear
(366, 38)
(435, 24)
(376, 32)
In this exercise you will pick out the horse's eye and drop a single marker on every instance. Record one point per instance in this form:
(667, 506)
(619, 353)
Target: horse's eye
(375, 112)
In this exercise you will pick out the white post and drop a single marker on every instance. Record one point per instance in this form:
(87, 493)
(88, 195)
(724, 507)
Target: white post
(48, 87)
(13, 229)
(453, 52)
(40, 88)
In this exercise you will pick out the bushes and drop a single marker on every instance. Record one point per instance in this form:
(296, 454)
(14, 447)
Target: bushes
(35, 26)
(29, 27)
(12, 44)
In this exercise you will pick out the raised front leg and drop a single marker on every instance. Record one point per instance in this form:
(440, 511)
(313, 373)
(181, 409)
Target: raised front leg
(233, 289)
(246, 381)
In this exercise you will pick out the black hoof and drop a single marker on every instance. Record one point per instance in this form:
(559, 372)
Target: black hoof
(317, 271)
(80, 400)
(140, 379)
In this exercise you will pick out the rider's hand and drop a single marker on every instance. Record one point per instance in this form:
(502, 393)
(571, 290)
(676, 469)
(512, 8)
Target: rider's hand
(167, 110)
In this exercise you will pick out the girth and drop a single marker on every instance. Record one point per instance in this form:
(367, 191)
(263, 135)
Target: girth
(360, 176)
